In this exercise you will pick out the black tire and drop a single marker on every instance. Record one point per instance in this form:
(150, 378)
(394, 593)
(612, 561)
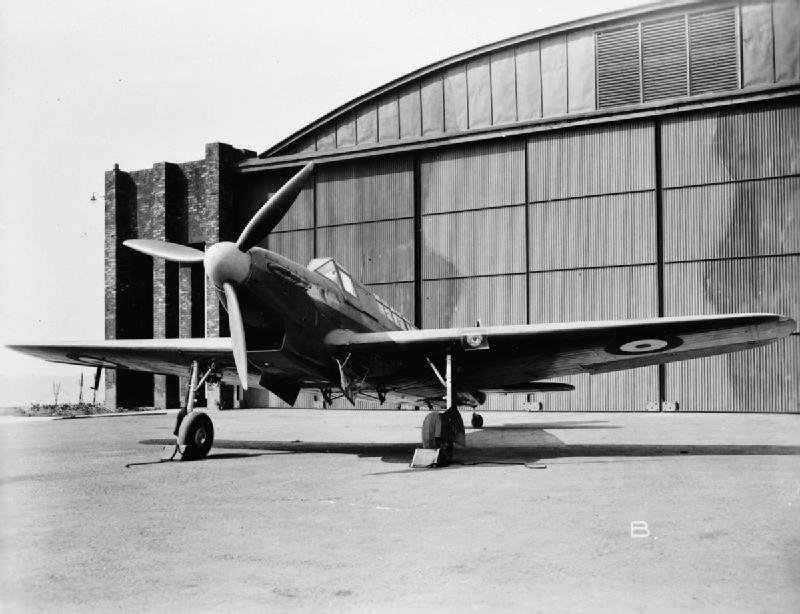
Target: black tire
(432, 424)
(477, 421)
(197, 434)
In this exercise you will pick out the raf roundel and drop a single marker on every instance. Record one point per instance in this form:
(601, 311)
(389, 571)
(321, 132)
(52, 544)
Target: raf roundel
(649, 345)
(474, 341)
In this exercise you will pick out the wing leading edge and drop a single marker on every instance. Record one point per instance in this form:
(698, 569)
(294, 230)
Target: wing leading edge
(163, 356)
(505, 357)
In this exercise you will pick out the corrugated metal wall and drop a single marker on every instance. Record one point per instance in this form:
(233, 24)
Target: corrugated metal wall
(732, 244)
(564, 227)
(592, 246)
(473, 239)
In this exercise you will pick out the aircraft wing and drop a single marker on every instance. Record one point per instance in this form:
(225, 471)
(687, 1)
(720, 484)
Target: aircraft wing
(163, 356)
(507, 357)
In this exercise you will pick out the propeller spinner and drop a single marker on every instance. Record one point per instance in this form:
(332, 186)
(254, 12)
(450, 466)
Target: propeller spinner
(228, 264)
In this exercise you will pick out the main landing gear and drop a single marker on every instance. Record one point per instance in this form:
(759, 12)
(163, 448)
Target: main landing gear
(193, 429)
(441, 430)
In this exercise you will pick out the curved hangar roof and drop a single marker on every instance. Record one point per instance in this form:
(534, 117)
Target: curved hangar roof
(646, 57)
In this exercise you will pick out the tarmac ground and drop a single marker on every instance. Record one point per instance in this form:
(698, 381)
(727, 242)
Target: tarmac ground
(317, 511)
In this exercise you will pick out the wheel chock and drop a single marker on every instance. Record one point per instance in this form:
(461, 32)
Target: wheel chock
(426, 458)
(173, 451)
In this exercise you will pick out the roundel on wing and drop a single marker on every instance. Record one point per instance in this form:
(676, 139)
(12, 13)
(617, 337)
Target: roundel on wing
(473, 341)
(644, 345)
(93, 361)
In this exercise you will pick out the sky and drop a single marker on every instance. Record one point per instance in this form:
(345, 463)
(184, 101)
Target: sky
(87, 84)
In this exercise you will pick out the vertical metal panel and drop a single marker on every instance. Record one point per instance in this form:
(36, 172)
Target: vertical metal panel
(529, 81)
(483, 242)
(398, 295)
(460, 302)
(301, 214)
(590, 232)
(751, 218)
(754, 285)
(308, 143)
(664, 58)
(489, 174)
(257, 397)
(455, 99)
(326, 138)
(432, 97)
(554, 75)
(410, 113)
(624, 390)
(296, 244)
(590, 161)
(346, 132)
(577, 400)
(504, 90)
(388, 119)
(757, 44)
(363, 191)
(786, 20)
(613, 392)
(580, 71)
(253, 191)
(593, 294)
(733, 144)
(503, 402)
(479, 93)
(620, 391)
(375, 252)
(765, 379)
(367, 125)
(618, 67)
(713, 51)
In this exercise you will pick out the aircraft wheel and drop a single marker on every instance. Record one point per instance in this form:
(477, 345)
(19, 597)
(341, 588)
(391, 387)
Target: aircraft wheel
(197, 434)
(430, 426)
(477, 421)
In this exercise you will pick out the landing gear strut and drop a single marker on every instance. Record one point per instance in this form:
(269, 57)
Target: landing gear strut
(193, 429)
(440, 430)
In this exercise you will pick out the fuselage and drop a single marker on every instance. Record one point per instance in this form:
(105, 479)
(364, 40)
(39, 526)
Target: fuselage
(288, 310)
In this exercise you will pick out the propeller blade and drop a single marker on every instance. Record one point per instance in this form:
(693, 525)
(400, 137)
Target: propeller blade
(174, 252)
(272, 212)
(237, 333)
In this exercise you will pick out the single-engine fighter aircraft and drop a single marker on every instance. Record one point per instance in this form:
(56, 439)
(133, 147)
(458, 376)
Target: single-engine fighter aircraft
(295, 327)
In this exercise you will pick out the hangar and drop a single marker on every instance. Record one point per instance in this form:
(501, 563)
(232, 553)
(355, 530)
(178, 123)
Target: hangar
(641, 163)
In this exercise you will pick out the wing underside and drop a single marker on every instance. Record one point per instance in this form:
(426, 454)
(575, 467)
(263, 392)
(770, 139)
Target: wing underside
(508, 358)
(160, 356)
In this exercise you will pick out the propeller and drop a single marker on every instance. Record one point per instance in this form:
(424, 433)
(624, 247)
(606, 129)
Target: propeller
(272, 212)
(228, 264)
(174, 252)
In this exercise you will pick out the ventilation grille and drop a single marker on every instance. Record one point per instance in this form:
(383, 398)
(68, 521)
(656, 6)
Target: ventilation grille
(664, 59)
(673, 57)
(618, 67)
(713, 62)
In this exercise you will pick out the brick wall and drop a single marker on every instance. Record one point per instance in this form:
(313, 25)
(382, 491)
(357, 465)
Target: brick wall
(189, 203)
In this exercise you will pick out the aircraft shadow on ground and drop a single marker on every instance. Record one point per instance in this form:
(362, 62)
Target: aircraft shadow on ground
(502, 444)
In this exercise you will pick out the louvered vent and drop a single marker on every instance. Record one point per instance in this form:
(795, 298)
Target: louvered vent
(664, 59)
(713, 62)
(618, 76)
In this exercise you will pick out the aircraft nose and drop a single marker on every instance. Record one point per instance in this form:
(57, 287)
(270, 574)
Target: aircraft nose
(224, 262)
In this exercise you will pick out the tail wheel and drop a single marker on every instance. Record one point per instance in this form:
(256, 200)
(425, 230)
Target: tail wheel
(197, 434)
(477, 421)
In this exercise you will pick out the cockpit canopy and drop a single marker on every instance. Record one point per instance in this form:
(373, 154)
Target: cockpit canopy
(328, 267)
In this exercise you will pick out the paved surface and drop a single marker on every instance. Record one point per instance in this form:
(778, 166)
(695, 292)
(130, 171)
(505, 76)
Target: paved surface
(307, 511)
